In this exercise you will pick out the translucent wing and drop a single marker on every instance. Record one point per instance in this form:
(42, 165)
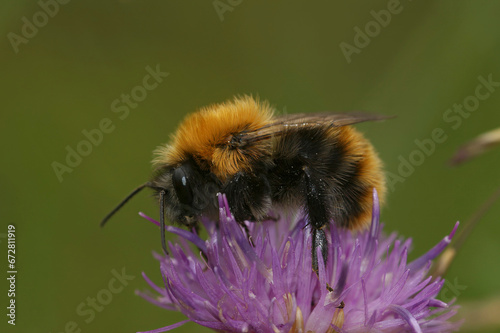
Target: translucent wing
(284, 122)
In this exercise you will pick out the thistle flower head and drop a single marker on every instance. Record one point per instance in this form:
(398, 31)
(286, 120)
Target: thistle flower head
(235, 286)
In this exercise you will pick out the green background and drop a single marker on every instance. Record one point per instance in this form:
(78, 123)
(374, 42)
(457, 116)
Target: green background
(64, 79)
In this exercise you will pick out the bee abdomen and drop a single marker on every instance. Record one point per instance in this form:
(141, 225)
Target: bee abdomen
(344, 167)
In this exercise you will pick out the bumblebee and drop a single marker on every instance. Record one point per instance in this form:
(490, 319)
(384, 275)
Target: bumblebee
(315, 162)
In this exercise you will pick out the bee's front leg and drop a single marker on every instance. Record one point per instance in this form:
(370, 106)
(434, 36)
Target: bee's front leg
(249, 198)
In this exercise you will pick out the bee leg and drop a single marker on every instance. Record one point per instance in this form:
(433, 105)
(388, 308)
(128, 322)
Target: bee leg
(162, 222)
(196, 231)
(248, 196)
(318, 215)
(247, 232)
(319, 240)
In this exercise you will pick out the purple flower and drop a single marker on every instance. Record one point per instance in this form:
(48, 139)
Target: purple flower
(271, 287)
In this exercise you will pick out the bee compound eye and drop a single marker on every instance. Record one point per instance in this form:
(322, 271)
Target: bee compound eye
(182, 186)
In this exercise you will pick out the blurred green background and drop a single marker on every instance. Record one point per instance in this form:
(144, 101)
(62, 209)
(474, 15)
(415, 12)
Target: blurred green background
(64, 78)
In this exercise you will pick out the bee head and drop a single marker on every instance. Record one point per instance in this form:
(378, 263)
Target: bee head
(184, 193)
(188, 192)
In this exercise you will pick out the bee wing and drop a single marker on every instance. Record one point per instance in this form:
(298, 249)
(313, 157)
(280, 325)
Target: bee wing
(335, 119)
(281, 123)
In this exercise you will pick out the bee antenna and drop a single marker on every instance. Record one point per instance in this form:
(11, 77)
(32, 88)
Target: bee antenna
(162, 222)
(123, 202)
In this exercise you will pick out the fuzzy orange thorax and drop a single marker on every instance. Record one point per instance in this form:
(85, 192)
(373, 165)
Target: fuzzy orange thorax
(206, 136)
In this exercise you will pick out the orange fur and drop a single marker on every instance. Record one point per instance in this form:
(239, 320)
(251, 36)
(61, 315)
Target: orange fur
(370, 171)
(205, 135)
